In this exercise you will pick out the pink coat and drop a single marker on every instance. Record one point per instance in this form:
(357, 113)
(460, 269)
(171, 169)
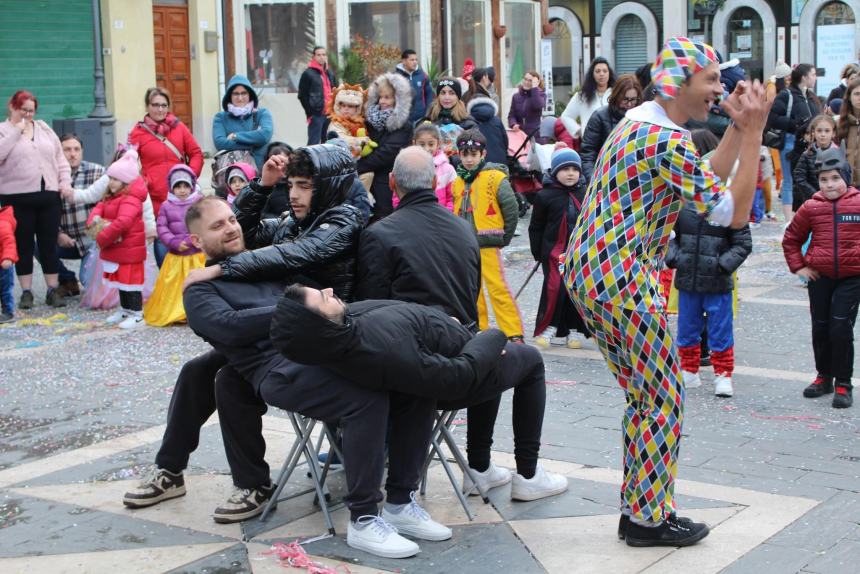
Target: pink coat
(445, 176)
(24, 162)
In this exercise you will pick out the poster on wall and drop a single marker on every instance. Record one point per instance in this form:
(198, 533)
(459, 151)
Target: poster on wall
(546, 72)
(834, 46)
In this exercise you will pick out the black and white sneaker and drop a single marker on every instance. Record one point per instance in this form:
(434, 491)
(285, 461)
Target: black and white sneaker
(160, 485)
(243, 504)
(624, 522)
(673, 531)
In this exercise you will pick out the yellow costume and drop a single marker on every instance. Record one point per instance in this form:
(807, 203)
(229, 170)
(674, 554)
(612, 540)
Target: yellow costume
(165, 305)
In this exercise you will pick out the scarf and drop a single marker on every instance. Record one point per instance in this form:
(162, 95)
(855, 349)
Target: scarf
(241, 111)
(378, 118)
(469, 175)
(445, 116)
(352, 123)
(325, 80)
(162, 128)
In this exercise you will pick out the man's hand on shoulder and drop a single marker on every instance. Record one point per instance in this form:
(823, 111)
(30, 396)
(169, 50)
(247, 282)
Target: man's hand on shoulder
(204, 274)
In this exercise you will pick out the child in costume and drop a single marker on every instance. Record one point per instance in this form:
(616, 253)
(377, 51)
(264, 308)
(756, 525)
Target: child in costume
(8, 258)
(238, 176)
(483, 196)
(832, 269)
(705, 257)
(346, 117)
(116, 225)
(556, 209)
(165, 306)
(428, 137)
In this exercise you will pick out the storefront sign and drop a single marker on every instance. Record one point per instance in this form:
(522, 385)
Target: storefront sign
(546, 71)
(834, 47)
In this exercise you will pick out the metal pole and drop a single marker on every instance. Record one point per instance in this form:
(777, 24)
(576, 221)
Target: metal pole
(100, 109)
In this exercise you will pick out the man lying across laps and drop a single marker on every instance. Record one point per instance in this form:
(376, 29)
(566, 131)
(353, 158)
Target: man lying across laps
(419, 350)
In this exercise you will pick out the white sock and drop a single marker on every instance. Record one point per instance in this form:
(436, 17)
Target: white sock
(549, 333)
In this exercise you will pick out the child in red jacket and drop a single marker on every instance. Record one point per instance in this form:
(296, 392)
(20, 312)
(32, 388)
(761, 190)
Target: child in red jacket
(8, 258)
(116, 224)
(832, 267)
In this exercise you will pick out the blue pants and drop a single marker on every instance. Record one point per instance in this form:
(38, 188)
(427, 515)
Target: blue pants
(718, 306)
(7, 286)
(758, 206)
(316, 129)
(787, 189)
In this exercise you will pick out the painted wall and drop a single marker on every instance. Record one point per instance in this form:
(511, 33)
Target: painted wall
(130, 60)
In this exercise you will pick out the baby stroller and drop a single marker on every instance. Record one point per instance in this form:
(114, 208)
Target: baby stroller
(526, 182)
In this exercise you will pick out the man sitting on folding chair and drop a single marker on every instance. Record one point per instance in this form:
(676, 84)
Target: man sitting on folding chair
(234, 317)
(403, 258)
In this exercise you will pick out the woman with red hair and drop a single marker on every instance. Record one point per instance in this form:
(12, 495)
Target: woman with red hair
(33, 170)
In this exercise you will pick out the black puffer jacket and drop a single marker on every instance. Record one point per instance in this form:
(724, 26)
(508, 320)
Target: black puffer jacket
(321, 247)
(485, 113)
(422, 253)
(597, 131)
(803, 109)
(805, 176)
(705, 255)
(390, 345)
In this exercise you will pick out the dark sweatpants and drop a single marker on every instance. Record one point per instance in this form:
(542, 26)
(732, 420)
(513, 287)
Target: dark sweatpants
(833, 307)
(521, 368)
(361, 415)
(38, 217)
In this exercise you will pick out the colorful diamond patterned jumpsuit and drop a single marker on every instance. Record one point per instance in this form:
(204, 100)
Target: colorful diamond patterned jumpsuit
(644, 173)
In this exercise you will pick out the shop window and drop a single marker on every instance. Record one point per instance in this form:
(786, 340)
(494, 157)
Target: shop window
(562, 60)
(834, 44)
(746, 41)
(520, 40)
(469, 23)
(279, 38)
(392, 23)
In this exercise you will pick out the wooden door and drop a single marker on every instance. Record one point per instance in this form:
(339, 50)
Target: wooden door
(173, 57)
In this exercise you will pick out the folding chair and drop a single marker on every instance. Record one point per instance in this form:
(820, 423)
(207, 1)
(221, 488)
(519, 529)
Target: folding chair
(304, 445)
(442, 430)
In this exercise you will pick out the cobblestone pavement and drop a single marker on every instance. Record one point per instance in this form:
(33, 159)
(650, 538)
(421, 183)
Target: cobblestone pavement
(82, 409)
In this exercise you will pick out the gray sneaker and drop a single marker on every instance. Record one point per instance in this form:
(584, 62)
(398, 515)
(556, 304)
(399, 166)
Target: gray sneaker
(160, 485)
(243, 504)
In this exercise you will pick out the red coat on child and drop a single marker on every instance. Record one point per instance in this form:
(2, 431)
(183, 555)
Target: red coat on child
(835, 227)
(124, 240)
(8, 247)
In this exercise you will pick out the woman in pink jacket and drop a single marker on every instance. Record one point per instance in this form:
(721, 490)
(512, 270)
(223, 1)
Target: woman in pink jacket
(33, 170)
(162, 141)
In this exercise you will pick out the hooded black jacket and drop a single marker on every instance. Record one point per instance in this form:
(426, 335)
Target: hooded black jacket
(322, 246)
(485, 113)
(705, 255)
(600, 125)
(390, 345)
(422, 253)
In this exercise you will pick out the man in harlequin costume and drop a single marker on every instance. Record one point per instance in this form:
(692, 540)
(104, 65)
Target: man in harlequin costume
(647, 170)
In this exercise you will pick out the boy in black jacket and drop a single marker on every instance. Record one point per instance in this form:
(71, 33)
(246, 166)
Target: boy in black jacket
(705, 256)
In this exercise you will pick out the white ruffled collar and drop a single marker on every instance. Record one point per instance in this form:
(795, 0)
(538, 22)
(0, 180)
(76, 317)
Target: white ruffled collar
(652, 113)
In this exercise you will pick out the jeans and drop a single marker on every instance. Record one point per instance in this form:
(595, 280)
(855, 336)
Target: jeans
(7, 286)
(316, 129)
(787, 181)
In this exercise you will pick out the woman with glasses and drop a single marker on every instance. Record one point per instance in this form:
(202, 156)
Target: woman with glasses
(243, 125)
(33, 170)
(626, 94)
(162, 141)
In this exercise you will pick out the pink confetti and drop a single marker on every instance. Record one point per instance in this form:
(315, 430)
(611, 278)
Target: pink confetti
(797, 418)
(459, 421)
(561, 383)
(292, 555)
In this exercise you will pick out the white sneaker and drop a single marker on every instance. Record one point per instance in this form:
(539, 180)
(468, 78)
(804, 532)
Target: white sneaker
(412, 520)
(541, 485)
(133, 321)
(544, 340)
(723, 386)
(116, 317)
(574, 341)
(375, 536)
(691, 380)
(490, 478)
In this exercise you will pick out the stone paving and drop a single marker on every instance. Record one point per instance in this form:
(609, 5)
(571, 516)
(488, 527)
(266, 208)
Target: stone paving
(82, 409)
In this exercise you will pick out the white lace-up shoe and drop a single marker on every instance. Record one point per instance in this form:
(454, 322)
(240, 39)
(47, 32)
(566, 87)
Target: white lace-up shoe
(541, 485)
(490, 478)
(691, 380)
(723, 386)
(375, 536)
(412, 520)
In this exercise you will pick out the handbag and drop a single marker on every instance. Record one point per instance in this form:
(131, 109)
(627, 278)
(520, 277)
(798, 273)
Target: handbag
(180, 156)
(773, 137)
(224, 158)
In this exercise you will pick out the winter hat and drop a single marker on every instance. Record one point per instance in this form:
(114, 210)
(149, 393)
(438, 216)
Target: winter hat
(782, 70)
(180, 173)
(125, 169)
(830, 159)
(731, 75)
(564, 157)
(468, 68)
(352, 94)
(835, 105)
(452, 83)
(236, 172)
(679, 59)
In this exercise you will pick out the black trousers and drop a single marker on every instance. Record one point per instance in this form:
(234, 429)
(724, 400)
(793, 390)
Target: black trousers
(38, 217)
(833, 308)
(521, 368)
(361, 415)
(131, 300)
